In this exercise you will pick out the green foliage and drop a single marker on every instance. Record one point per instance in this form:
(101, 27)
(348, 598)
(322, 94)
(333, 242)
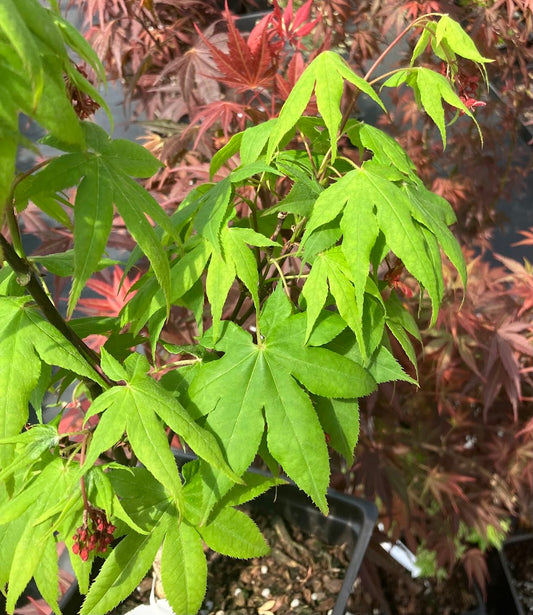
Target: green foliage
(277, 372)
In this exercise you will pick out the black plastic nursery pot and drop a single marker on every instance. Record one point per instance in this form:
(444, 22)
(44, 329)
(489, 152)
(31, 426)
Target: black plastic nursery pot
(389, 570)
(513, 591)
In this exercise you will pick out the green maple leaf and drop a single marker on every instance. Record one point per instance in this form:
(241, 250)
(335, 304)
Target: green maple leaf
(431, 89)
(370, 202)
(104, 176)
(27, 340)
(238, 260)
(183, 562)
(269, 376)
(325, 75)
(28, 544)
(142, 409)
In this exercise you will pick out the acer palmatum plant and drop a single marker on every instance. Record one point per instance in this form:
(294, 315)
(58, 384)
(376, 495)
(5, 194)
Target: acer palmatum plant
(305, 240)
(464, 362)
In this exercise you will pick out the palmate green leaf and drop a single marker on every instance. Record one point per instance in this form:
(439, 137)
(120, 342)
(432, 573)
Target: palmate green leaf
(55, 480)
(184, 569)
(105, 182)
(436, 214)
(367, 189)
(330, 271)
(27, 339)
(183, 564)
(457, 39)
(249, 378)
(244, 262)
(93, 218)
(325, 75)
(235, 243)
(137, 408)
(126, 409)
(430, 89)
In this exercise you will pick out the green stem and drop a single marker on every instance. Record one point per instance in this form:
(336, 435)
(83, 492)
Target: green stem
(282, 277)
(14, 232)
(390, 47)
(12, 225)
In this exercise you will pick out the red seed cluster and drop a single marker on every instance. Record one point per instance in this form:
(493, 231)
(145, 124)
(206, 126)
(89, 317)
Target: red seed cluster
(95, 534)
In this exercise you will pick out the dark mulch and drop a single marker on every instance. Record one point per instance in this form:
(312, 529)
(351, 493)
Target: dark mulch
(301, 575)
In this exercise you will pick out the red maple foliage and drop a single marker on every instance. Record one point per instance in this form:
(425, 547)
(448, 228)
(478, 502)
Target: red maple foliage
(248, 65)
